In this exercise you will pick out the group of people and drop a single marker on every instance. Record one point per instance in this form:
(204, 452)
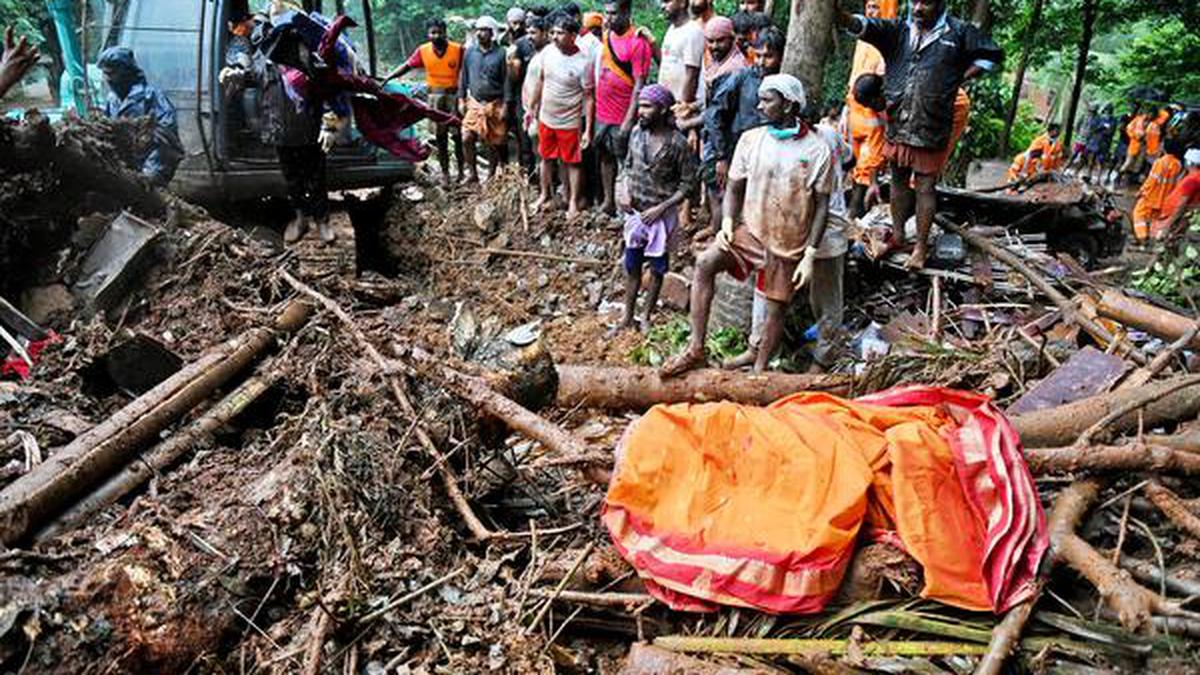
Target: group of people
(1144, 155)
(718, 124)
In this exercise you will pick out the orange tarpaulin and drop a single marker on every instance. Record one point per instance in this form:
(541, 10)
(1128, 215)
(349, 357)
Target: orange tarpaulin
(762, 506)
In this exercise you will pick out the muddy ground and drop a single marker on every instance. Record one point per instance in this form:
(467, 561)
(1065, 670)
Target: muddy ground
(316, 532)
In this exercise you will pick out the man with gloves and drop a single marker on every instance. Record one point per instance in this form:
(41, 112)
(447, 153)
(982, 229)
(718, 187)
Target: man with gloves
(776, 208)
(131, 96)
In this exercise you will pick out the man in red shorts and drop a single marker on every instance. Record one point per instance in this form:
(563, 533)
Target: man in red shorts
(928, 57)
(564, 104)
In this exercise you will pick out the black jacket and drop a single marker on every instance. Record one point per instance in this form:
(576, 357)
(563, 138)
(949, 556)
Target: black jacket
(921, 82)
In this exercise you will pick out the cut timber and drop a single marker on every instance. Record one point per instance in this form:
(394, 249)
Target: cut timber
(641, 388)
(31, 501)
(1133, 457)
(1062, 425)
(1070, 311)
(722, 645)
(161, 457)
(1146, 317)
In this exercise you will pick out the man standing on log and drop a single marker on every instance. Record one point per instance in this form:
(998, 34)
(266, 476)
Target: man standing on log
(927, 58)
(776, 208)
(131, 96)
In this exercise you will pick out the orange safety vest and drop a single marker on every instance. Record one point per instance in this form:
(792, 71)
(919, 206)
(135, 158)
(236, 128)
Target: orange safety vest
(1164, 176)
(1052, 153)
(1136, 129)
(441, 72)
(1154, 132)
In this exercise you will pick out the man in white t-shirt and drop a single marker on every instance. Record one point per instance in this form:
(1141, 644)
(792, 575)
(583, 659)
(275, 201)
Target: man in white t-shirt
(775, 212)
(564, 104)
(682, 53)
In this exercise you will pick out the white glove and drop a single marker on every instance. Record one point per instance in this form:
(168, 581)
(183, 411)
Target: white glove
(726, 234)
(229, 74)
(804, 270)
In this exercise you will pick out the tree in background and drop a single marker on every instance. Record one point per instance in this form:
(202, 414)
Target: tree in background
(809, 42)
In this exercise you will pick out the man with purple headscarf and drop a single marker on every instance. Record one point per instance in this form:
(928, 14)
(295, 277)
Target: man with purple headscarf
(658, 173)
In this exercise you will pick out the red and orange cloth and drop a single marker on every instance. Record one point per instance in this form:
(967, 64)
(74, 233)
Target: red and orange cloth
(762, 507)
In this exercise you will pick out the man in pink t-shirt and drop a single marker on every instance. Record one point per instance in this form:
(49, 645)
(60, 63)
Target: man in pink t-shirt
(624, 66)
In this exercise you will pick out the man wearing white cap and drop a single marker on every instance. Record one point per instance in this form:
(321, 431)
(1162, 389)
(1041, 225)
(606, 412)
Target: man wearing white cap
(481, 96)
(775, 211)
(1182, 200)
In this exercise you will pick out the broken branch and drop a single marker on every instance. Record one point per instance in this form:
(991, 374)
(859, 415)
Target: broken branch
(1133, 457)
(1173, 508)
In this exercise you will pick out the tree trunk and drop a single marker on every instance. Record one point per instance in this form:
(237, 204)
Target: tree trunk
(809, 42)
(619, 389)
(1085, 48)
(1035, 20)
(982, 15)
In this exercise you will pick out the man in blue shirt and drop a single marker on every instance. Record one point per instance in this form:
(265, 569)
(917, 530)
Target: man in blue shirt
(130, 96)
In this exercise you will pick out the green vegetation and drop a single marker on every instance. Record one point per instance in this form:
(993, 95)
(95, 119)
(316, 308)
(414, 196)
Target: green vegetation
(1173, 278)
(670, 338)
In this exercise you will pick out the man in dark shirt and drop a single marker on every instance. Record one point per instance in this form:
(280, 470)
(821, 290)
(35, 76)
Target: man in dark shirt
(517, 57)
(481, 97)
(733, 109)
(928, 57)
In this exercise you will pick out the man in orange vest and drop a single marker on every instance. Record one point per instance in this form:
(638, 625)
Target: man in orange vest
(1164, 176)
(1154, 135)
(1050, 144)
(864, 126)
(1135, 155)
(441, 59)
(1181, 201)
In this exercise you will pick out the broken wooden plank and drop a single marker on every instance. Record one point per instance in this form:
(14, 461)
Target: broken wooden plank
(1088, 372)
(1146, 317)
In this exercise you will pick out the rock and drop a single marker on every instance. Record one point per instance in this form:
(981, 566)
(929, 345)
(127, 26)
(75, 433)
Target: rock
(595, 293)
(485, 216)
(44, 303)
(676, 291)
(543, 280)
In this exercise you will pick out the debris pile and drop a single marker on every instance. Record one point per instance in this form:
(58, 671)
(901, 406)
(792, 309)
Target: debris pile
(403, 473)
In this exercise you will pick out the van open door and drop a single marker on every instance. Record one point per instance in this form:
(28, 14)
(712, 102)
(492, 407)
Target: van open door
(181, 46)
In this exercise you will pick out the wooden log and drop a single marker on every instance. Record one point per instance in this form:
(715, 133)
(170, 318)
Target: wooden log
(638, 389)
(32, 500)
(1133, 457)
(1146, 317)
(163, 456)
(1061, 426)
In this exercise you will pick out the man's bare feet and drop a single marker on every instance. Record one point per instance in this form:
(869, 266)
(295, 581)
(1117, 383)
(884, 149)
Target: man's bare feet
(702, 234)
(608, 208)
(573, 213)
(916, 261)
(743, 360)
(682, 363)
(538, 205)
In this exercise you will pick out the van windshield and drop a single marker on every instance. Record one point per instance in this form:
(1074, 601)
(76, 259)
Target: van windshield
(164, 36)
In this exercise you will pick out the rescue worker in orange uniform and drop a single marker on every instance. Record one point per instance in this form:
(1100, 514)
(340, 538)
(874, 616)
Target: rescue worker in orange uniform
(1050, 143)
(1024, 167)
(1135, 155)
(1164, 176)
(1154, 135)
(865, 130)
(1182, 200)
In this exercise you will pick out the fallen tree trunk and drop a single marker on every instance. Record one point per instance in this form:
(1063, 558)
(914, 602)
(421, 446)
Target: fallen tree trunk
(1061, 426)
(1146, 317)
(30, 501)
(641, 388)
(1133, 457)
(160, 458)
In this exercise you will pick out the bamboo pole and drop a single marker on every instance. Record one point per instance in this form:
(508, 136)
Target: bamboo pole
(32, 500)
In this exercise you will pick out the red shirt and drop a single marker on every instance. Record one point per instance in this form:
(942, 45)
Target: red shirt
(1187, 193)
(613, 91)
